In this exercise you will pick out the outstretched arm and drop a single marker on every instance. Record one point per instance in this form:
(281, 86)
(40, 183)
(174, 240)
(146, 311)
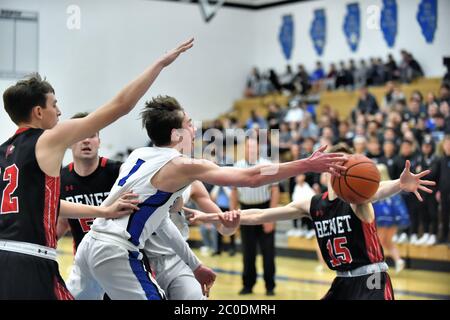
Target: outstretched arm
(408, 182)
(52, 144)
(204, 170)
(293, 210)
(123, 206)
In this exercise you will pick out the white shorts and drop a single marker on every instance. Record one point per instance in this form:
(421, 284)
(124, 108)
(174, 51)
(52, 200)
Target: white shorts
(103, 266)
(176, 278)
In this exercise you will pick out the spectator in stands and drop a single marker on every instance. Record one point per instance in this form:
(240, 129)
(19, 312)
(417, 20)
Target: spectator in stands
(308, 129)
(274, 80)
(428, 209)
(287, 79)
(440, 174)
(330, 80)
(295, 113)
(285, 142)
(374, 78)
(360, 76)
(444, 92)
(410, 69)
(302, 80)
(317, 77)
(392, 96)
(274, 116)
(253, 84)
(360, 145)
(256, 119)
(374, 151)
(343, 77)
(415, 111)
(367, 104)
(345, 134)
(389, 154)
(438, 131)
(391, 68)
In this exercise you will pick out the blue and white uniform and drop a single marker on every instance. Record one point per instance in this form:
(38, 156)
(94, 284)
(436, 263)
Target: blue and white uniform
(171, 272)
(111, 258)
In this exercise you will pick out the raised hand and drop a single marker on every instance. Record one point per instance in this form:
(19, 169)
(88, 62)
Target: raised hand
(170, 56)
(326, 162)
(410, 182)
(206, 277)
(125, 205)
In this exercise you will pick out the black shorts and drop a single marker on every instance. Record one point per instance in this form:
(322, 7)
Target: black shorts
(375, 286)
(26, 277)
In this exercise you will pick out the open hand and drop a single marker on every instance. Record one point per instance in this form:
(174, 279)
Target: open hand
(326, 162)
(170, 56)
(125, 205)
(410, 182)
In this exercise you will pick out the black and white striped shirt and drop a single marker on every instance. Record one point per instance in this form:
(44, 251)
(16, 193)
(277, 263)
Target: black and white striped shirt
(251, 196)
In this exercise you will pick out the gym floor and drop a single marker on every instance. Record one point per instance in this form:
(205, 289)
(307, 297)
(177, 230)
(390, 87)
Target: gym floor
(297, 279)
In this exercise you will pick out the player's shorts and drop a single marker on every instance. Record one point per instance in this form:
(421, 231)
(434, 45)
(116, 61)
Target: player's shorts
(376, 286)
(104, 266)
(176, 278)
(27, 277)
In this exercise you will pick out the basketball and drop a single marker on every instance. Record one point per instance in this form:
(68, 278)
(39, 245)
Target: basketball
(359, 182)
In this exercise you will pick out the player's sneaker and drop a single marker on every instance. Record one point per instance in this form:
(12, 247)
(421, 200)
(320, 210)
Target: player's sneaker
(413, 240)
(431, 240)
(399, 265)
(423, 239)
(403, 238)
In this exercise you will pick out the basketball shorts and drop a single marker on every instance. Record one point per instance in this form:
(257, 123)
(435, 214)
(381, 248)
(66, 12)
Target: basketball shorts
(376, 286)
(102, 266)
(26, 277)
(176, 278)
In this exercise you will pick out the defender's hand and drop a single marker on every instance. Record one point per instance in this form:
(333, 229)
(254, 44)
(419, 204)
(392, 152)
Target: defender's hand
(125, 205)
(410, 182)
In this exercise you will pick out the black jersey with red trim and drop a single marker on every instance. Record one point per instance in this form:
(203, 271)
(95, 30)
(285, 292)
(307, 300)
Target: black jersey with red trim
(29, 198)
(345, 241)
(90, 190)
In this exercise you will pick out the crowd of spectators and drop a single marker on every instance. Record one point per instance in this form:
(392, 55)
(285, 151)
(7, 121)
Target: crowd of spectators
(349, 75)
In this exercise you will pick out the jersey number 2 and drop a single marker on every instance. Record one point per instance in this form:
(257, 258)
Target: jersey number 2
(10, 204)
(342, 253)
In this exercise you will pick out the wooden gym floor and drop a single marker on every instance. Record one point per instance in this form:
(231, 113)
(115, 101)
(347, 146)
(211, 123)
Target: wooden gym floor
(297, 279)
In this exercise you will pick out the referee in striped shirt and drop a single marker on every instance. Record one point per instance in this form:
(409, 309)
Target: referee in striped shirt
(263, 197)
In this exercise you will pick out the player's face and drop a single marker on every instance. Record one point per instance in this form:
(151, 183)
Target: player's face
(86, 149)
(188, 135)
(446, 146)
(50, 113)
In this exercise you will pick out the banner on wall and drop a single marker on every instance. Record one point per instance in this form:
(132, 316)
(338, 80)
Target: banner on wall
(286, 35)
(318, 30)
(352, 26)
(427, 18)
(388, 21)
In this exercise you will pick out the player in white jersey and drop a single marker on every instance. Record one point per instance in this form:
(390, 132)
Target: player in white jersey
(172, 274)
(110, 255)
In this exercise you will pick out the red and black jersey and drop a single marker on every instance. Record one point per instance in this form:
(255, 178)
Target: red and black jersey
(90, 190)
(345, 241)
(29, 198)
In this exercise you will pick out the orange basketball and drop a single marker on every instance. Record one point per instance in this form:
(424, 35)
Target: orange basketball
(359, 182)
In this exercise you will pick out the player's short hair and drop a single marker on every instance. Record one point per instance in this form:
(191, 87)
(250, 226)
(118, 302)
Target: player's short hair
(26, 94)
(80, 115)
(341, 147)
(160, 116)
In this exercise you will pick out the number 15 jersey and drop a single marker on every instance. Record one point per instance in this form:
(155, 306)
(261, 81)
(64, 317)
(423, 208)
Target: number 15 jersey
(345, 241)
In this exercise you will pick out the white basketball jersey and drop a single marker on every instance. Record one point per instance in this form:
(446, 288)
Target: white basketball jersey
(136, 174)
(155, 246)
